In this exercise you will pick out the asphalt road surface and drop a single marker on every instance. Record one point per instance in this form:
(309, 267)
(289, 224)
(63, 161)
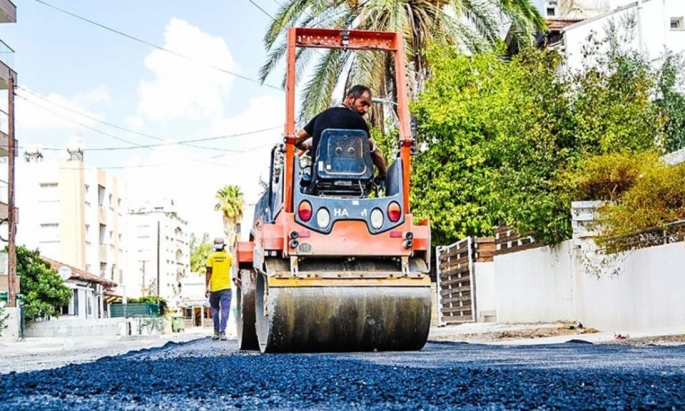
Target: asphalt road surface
(212, 375)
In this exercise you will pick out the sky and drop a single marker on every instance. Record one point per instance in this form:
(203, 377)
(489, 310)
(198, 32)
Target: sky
(110, 91)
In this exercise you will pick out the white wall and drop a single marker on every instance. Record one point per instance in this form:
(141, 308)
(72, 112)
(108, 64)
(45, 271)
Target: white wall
(13, 323)
(546, 285)
(655, 19)
(486, 292)
(648, 293)
(535, 285)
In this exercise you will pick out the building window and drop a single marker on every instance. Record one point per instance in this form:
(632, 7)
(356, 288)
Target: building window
(677, 23)
(49, 192)
(49, 232)
(101, 195)
(551, 11)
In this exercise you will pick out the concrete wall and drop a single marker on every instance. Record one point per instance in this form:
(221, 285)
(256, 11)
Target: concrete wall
(648, 292)
(535, 285)
(546, 285)
(13, 323)
(486, 292)
(74, 328)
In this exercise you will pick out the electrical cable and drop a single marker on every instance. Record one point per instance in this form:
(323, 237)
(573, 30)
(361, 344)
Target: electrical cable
(156, 46)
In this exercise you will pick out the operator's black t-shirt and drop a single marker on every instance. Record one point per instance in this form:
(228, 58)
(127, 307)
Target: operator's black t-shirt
(334, 117)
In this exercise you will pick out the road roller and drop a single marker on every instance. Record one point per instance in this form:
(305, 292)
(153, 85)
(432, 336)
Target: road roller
(333, 264)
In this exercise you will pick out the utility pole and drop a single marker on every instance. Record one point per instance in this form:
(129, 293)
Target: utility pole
(11, 218)
(159, 285)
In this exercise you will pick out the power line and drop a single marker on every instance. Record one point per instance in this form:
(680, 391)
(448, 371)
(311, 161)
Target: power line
(147, 146)
(169, 163)
(261, 9)
(156, 46)
(117, 126)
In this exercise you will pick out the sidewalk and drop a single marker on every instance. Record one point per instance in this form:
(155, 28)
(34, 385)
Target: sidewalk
(553, 333)
(45, 353)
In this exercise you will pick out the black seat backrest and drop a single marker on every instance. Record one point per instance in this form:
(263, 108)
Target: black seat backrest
(343, 155)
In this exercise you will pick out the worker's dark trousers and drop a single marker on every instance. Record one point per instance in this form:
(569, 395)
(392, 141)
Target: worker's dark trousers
(220, 301)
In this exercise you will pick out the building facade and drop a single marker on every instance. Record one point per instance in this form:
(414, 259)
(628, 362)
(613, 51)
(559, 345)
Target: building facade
(159, 253)
(74, 213)
(658, 25)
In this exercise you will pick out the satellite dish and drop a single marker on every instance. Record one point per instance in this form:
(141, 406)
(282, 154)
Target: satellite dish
(64, 272)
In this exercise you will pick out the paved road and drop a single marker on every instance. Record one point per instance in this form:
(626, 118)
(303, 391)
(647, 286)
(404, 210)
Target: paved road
(209, 375)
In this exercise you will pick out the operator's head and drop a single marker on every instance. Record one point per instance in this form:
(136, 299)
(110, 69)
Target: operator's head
(219, 244)
(358, 98)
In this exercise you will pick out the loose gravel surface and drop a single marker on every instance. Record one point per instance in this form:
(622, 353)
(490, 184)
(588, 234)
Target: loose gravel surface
(209, 375)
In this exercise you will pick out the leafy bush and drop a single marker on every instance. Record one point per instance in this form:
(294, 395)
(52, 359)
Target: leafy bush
(44, 291)
(656, 199)
(606, 177)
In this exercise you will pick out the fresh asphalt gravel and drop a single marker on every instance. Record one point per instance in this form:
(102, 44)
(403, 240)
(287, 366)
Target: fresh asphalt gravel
(212, 375)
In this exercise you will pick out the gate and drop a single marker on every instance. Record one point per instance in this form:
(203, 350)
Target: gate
(455, 278)
(456, 294)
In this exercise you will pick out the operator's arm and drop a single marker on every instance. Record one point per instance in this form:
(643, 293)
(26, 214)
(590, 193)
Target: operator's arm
(378, 160)
(302, 136)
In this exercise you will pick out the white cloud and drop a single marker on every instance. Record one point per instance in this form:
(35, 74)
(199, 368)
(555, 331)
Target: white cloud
(54, 111)
(184, 88)
(188, 94)
(170, 172)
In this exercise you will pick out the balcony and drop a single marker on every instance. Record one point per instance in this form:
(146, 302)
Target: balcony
(4, 138)
(102, 253)
(6, 63)
(8, 12)
(3, 203)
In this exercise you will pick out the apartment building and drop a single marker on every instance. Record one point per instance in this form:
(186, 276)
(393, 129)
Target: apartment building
(73, 212)
(159, 253)
(659, 26)
(8, 79)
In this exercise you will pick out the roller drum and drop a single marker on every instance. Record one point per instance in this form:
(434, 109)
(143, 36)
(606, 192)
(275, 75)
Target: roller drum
(245, 320)
(345, 318)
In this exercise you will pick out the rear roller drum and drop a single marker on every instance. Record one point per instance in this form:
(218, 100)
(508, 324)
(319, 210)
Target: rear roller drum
(245, 320)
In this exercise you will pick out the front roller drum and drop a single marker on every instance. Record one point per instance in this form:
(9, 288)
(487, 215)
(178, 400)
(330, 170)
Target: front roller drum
(245, 320)
(336, 318)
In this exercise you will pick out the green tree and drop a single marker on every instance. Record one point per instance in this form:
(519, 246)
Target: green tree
(231, 203)
(671, 101)
(44, 291)
(199, 251)
(473, 26)
(503, 136)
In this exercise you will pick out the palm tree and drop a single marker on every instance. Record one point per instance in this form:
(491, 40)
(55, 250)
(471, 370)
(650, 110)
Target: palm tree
(471, 25)
(231, 204)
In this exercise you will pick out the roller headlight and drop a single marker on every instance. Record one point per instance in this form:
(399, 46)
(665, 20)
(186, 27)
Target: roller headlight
(323, 218)
(376, 218)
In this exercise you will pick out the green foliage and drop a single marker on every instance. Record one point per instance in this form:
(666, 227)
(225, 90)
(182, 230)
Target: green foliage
(199, 251)
(657, 198)
(671, 102)
(505, 137)
(163, 306)
(471, 25)
(44, 291)
(231, 203)
(607, 177)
